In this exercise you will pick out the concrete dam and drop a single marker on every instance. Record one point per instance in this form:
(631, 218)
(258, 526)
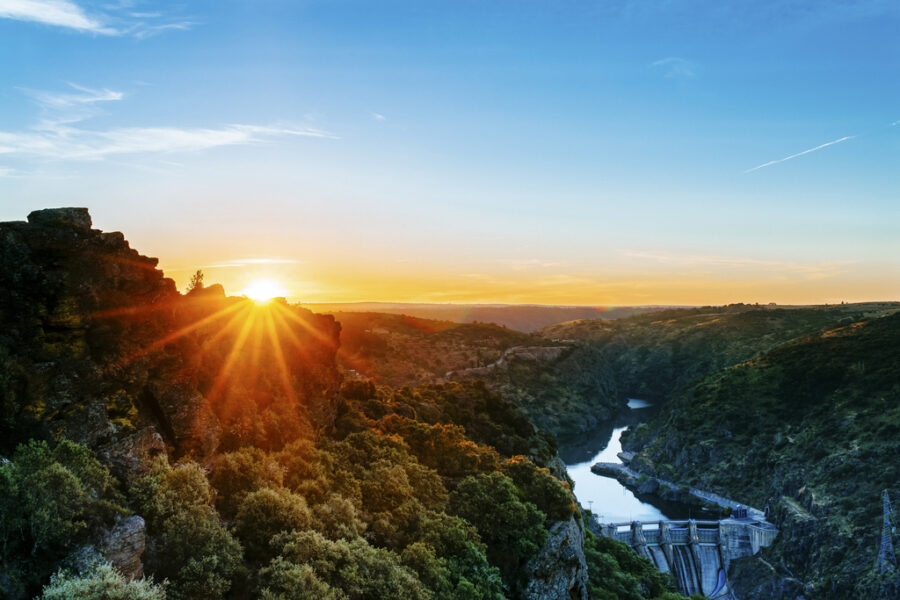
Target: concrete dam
(697, 553)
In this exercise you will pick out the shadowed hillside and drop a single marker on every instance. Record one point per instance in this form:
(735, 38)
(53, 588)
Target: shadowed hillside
(654, 356)
(811, 430)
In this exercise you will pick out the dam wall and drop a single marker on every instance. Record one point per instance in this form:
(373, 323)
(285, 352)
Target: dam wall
(696, 553)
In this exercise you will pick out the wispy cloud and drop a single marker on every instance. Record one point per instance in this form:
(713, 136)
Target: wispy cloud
(7, 172)
(114, 19)
(781, 160)
(244, 262)
(57, 135)
(66, 142)
(378, 116)
(60, 13)
(812, 270)
(674, 67)
(82, 96)
(525, 264)
(146, 30)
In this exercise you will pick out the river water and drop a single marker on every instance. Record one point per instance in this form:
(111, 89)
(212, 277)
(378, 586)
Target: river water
(604, 496)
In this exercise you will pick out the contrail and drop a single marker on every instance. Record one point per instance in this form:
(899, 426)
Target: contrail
(775, 162)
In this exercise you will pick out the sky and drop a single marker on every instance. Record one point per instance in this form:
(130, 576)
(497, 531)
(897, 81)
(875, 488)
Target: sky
(608, 152)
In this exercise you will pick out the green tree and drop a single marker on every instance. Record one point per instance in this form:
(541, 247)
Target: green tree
(551, 496)
(196, 282)
(283, 580)
(358, 570)
(238, 473)
(50, 501)
(188, 545)
(512, 527)
(100, 581)
(615, 572)
(265, 513)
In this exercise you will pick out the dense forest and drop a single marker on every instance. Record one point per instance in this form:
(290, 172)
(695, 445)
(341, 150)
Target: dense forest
(160, 445)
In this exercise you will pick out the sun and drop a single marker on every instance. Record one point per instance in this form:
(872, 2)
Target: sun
(263, 290)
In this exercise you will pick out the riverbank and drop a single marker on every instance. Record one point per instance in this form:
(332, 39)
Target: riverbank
(644, 483)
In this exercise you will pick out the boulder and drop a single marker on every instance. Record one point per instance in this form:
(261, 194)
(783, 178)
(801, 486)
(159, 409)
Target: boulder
(123, 545)
(559, 571)
(70, 218)
(132, 454)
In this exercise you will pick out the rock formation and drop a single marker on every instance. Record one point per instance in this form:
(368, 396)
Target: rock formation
(97, 345)
(559, 571)
(123, 545)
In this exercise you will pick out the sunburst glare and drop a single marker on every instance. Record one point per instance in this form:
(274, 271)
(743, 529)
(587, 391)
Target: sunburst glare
(264, 290)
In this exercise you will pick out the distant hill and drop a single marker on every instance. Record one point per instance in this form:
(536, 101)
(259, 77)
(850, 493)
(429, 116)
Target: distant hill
(400, 350)
(524, 317)
(653, 356)
(570, 376)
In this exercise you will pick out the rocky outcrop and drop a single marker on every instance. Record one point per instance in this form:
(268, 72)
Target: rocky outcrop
(559, 571)
(97, 346)
(132, 454)
(123, 546)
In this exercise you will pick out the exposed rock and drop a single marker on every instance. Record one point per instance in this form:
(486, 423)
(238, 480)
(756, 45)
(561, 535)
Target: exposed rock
(649, 486)
(96, 344)
(74, 218)
(185, 415)
(559, 571)
(131, 455)
(123, 545)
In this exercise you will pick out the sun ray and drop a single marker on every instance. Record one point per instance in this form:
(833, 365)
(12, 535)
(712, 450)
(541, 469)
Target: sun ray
(283, 370)
(309, 328)
(298, 344)
(226, 329)
(225, 372)
(151, 307)
(177, 334)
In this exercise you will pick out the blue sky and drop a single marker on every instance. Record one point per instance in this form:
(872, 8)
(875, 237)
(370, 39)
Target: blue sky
(613, 152)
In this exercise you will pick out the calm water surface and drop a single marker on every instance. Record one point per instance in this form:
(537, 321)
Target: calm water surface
(606, 497)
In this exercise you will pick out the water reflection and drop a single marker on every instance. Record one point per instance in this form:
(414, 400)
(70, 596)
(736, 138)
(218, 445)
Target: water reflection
(606, 497)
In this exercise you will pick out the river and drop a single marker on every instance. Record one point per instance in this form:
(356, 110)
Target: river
(604, 496)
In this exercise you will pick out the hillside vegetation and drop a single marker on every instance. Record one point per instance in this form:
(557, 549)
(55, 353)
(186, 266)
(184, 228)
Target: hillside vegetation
(810, 430)
(571, 377)
(654, 356)
(158, 445)
(400, 350)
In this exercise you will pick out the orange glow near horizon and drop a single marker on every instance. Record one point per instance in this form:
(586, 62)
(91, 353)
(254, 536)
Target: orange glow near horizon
(637, 281)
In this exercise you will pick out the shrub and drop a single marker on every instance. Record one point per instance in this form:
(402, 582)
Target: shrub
(101, 581)
(265, 513)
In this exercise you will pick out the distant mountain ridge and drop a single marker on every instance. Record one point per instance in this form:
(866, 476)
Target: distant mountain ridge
(521, 317)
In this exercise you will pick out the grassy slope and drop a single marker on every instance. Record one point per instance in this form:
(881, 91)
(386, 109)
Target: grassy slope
(811, 429)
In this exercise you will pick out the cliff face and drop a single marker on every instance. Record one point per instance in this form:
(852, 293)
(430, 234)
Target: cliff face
(559, 571)
(97, 346)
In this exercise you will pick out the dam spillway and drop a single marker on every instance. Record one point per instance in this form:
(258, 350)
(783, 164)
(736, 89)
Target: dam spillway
(696, 553)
